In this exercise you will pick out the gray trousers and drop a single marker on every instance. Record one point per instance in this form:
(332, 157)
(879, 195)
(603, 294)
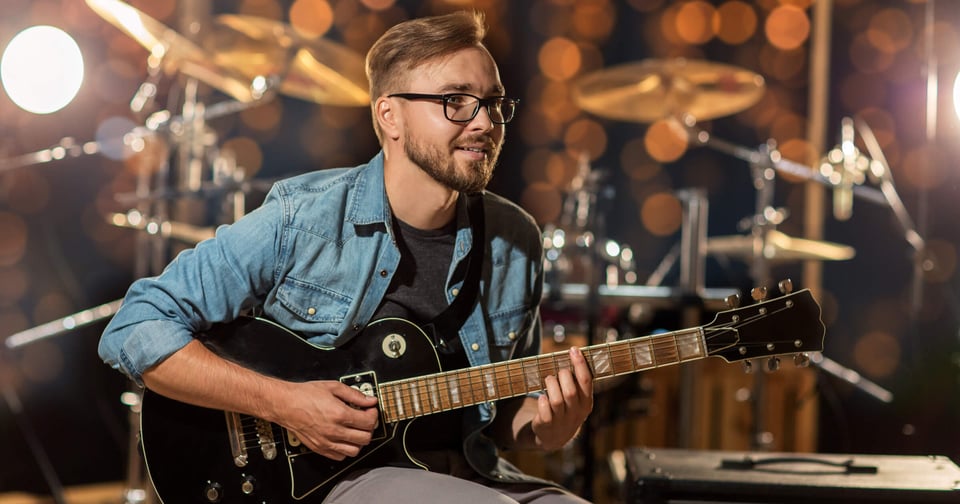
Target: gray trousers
(456, 482)
(399, 484)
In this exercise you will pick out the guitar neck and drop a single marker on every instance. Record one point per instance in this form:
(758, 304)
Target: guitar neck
(429, 394)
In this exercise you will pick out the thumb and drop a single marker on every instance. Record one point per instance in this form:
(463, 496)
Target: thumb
(355, 397)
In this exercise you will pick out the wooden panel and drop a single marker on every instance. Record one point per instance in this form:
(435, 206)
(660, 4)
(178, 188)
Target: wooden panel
(100, 493)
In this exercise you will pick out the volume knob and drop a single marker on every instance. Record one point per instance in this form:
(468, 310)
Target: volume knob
(213, 491)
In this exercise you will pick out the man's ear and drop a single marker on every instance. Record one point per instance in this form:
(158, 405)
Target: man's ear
(388, 118)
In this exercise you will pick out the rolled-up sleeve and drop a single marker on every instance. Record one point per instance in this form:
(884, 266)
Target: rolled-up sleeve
(213, 282)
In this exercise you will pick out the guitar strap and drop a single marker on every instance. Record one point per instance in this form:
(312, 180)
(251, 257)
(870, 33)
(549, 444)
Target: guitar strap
(444, 327)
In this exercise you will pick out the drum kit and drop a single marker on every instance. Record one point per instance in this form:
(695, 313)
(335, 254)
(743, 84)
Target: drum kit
(252, 60)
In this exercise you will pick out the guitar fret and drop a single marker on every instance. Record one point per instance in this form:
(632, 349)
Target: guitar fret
(398, 398)
(600, 358)
(622, 359)
(531, 374)
(453, 390)
(414, 397)
(642, 354)
(475, 380)
(434, 394)
(514, 376)
(489, 382)
(665, 350)
(690, 345)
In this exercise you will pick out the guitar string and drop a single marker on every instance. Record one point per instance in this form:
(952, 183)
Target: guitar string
(479, 377)
(506, 374)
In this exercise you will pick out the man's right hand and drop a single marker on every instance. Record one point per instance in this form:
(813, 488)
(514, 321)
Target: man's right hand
(328, 417)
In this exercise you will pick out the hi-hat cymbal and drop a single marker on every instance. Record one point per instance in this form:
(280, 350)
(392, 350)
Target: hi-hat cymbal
(313, 69)
(653, 89)
(778, 246)
(175, 51)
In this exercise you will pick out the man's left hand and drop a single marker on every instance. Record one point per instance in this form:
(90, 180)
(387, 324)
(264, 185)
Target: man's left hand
(565, 405)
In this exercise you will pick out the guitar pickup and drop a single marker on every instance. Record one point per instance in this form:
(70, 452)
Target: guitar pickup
(367, 384)
(268, 445)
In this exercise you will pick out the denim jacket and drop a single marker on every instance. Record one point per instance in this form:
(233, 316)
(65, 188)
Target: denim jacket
(318, 256)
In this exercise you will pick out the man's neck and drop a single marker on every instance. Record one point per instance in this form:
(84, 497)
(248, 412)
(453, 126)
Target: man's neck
(416, 198)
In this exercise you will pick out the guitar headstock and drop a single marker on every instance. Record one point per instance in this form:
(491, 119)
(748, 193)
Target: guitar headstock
(788, 324)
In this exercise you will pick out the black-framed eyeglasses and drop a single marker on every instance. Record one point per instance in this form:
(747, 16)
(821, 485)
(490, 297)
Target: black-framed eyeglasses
(463, 107)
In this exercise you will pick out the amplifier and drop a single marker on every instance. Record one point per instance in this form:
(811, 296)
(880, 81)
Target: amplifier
(660, 476)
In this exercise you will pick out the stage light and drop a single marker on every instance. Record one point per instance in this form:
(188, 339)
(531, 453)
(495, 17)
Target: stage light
(956, 95)
(42, 69)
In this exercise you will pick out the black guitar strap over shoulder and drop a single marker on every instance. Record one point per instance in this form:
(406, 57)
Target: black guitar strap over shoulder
(444, 327)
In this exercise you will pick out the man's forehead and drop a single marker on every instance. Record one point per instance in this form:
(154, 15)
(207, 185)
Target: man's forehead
(478, 79)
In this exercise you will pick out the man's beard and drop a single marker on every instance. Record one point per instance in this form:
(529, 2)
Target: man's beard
(443, 168)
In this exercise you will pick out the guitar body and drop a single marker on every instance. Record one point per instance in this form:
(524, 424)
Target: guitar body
(188, 449)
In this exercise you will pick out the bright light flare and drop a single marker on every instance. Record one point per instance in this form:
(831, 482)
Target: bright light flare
(956, 95)
(42, 69)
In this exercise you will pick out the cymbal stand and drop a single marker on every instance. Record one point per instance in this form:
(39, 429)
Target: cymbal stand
(693, 251)
(761, 223)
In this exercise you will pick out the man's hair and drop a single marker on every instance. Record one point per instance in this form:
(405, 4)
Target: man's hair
(411, 43)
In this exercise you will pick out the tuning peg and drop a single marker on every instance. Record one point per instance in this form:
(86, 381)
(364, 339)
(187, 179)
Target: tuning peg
(772, 364)
(732, 301)
(758, 293)
(748, 366)
(801, 360)
(785, 286)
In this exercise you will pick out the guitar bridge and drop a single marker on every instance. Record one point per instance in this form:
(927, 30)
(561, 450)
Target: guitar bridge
(235, 434)
(238, 445)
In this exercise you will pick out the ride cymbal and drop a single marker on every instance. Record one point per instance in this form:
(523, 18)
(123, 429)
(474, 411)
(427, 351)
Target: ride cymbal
(176, 52)
(778, 246)
(312, 69)
(653, 89)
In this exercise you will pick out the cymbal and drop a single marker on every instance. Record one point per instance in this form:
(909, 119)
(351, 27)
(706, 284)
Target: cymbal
(779, 246)
(312, 69)
(653, 89)
(175, 51)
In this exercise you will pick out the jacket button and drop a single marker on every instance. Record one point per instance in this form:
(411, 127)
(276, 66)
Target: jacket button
(455, 291)
(512, 335)
(383, 273)
(475, 347)
(311, 311)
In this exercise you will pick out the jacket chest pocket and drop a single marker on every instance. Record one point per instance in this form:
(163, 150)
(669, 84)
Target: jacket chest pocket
(509, 329)
(310, 308)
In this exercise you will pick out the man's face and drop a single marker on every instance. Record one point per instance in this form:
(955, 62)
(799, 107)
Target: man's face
(460, 156)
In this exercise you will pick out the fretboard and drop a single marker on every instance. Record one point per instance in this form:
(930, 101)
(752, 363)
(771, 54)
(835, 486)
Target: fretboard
(428, 394)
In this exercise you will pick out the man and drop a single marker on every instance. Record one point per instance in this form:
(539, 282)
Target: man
(330, 253)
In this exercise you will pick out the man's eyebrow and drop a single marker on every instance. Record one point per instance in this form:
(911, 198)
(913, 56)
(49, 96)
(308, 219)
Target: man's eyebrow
(469, 88)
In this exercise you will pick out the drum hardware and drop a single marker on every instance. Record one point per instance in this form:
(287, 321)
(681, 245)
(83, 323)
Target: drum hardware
(187, 233)
(850, 376)
(65, 324)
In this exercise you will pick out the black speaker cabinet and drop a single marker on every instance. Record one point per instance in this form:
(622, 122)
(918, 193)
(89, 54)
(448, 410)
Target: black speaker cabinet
(660, 476)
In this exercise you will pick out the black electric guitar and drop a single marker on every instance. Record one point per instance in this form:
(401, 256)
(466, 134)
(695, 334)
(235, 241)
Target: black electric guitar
(199, 455)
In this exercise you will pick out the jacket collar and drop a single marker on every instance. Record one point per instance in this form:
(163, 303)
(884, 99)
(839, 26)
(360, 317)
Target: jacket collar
(368, 202)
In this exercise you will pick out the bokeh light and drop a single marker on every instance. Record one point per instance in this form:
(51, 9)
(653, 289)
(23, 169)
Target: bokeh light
(787, 27)
(42, 69)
